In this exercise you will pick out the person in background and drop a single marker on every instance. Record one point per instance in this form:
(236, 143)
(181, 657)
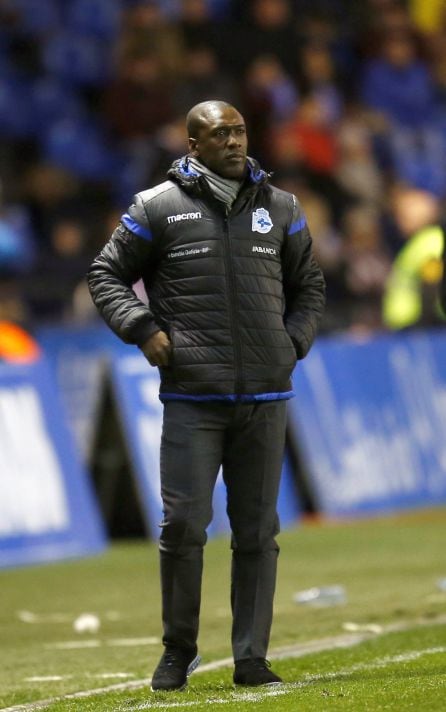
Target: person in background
(17, 345)
(411, 291)
(235, 299)
(443, 279)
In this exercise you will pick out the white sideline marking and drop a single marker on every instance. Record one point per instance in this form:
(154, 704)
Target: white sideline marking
(95, 643)
(30, 617)
(289, 651)
(73, 645)
(130, 642)
(47, 678)
(288, 688)
(111, 675)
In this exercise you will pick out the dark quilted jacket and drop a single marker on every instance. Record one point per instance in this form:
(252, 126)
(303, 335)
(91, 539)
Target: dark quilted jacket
(238, 292)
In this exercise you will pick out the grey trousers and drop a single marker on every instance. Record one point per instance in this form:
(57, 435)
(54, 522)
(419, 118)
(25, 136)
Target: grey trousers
(248, 441)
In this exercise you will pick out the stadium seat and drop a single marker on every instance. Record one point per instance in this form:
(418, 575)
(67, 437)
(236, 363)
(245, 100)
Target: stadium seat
(52, 101)
(77, 59)
(79, 147)
(15, 111)
(37, 17)
(17, 246)
(100, 18)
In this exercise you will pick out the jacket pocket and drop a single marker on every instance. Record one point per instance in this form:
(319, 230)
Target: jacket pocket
(290, 341)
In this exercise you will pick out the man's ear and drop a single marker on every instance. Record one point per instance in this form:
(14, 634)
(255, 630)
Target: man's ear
(193, 146)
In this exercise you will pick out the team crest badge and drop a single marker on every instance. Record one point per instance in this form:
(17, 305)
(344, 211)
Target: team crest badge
(261, 221)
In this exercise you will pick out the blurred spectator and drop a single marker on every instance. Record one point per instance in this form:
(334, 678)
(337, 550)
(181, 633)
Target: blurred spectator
(17, 249)
(357, 171)
(411, 292)
(429, 16)
(51, 286)
(318, 77)
(168, 143)
(196, 23)
(16, 345)
(147, 31)
(443, 278)
(307, 138)
(269, 85)
(328, 250)
(269, 97)
(397, 83)
(139, 101)
(366, 265)
(202, 78)
(307, 145)
(267, 29)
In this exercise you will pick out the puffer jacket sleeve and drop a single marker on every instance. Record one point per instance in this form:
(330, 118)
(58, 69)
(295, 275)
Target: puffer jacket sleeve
(119, 265)
(304, 284)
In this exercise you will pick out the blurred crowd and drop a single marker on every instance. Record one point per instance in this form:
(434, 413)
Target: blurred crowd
(345, 104)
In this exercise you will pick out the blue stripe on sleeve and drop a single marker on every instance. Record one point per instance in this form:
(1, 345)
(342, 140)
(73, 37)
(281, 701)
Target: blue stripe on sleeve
(135, 227)
(296, 226)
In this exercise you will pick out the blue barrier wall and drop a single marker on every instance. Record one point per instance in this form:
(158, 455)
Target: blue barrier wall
(47, 511)
(371, 419)
(79, 359)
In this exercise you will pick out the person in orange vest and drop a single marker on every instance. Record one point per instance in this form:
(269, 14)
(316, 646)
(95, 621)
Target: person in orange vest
(16, 345)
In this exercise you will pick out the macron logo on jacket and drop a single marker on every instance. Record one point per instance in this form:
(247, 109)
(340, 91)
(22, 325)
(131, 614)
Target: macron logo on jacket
(183, 216)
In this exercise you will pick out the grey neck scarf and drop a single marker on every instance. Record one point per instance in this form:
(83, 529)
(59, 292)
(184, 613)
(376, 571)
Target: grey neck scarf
(224, 189)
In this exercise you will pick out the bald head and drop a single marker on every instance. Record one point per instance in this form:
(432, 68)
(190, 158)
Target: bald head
(200, 115)
(217, 137)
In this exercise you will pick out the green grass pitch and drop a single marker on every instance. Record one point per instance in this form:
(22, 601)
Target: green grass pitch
(384, 649)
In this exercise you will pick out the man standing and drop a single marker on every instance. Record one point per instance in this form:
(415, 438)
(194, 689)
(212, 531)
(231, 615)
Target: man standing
(235, 298)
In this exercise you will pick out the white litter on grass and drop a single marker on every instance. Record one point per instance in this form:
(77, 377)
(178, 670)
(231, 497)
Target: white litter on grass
(441, 584)
(87, 623)
(366, 627)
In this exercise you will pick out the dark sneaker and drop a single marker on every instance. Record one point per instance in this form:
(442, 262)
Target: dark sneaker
(255, 671)
(174, 668)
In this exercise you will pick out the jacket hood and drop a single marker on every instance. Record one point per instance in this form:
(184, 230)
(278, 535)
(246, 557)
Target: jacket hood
(182, 172)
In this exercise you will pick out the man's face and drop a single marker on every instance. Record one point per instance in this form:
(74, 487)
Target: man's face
(222, 143)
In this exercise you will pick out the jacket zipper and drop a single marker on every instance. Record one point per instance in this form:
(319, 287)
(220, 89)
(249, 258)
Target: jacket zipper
(238, 380)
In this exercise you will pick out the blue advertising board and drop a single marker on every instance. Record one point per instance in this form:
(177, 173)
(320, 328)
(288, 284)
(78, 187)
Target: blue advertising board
(371, 418)
(79, 359)
(47, 510)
